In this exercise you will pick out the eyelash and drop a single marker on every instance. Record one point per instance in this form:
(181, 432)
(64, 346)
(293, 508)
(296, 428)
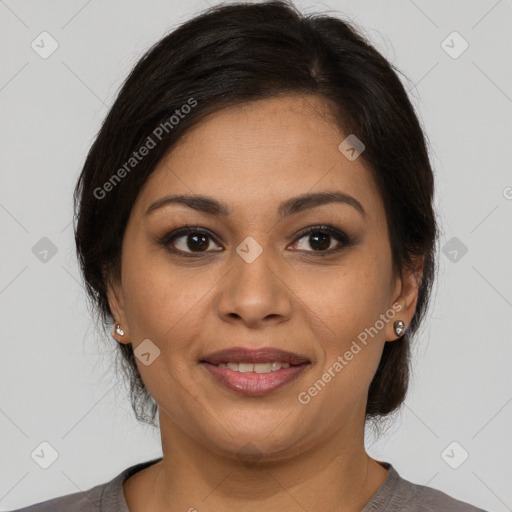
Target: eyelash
(329, 229)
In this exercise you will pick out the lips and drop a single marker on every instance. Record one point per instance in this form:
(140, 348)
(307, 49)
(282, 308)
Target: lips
(263, 355)
(254, 372)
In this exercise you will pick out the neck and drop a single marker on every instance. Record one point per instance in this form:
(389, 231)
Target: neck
(333, 475)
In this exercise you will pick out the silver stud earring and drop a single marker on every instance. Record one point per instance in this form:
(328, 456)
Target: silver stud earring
(119, 330)
(399, 327)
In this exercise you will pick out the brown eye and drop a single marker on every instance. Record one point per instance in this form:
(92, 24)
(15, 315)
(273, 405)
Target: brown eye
(188, 240)
(194, 242)
(322, 239)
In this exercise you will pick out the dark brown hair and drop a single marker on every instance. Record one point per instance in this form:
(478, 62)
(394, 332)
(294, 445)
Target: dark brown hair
(235, 53)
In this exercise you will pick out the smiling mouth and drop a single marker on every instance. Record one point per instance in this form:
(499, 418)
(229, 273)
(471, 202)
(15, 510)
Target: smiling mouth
(254, 379)
(255, 367)
(246, 356)
(254, 372)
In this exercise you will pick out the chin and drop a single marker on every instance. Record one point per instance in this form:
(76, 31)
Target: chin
(255, 444)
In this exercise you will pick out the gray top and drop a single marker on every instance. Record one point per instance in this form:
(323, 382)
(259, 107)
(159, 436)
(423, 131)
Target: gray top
(394, 495)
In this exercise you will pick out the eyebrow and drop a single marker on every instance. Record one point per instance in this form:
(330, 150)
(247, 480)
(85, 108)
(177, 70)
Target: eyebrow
(291, 206)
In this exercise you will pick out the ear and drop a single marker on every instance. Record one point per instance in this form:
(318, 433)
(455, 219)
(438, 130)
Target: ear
(116, 302)
(406, 296)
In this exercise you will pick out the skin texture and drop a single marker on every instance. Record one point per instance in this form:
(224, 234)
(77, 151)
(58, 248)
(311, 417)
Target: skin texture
(310, 457)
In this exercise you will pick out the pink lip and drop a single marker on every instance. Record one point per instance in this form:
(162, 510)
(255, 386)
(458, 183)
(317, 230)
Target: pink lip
(254, 383)
(262, 355)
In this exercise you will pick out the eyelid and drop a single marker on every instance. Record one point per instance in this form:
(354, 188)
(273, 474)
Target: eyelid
(338, 234)
(184, 231)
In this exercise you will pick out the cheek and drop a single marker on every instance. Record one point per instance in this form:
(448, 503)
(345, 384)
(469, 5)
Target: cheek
(349, 302)
(161, 299)
(352, 296)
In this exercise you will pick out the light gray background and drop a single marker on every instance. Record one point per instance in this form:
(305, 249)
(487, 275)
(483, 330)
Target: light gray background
(56, 382)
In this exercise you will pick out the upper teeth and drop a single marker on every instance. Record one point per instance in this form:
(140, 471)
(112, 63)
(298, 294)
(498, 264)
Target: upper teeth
(255, 367)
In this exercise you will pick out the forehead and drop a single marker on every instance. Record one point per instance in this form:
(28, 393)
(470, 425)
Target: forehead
(259, 152)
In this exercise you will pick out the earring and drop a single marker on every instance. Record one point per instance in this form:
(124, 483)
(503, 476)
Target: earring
(399, 327)
(119, 330)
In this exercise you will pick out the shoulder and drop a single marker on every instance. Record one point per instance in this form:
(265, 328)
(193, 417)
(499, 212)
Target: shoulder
(420, 498)
(106, 497)
(88, 501)
(433, 500)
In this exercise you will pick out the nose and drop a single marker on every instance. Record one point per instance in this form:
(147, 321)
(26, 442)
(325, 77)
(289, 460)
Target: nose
(255, 293)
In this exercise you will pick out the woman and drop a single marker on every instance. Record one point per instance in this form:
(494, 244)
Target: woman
(255, 220)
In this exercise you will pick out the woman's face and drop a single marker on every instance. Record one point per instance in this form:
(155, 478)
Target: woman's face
(253, 278)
